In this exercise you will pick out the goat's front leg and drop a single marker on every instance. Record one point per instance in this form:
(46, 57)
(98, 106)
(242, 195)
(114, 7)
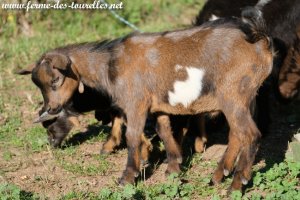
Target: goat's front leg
(135, 124)
(172, 148)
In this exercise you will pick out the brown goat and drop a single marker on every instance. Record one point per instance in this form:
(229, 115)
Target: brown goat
(58, 127)
(215, 67)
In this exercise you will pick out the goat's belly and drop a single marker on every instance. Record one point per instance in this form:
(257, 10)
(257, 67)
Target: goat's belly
(200, 105)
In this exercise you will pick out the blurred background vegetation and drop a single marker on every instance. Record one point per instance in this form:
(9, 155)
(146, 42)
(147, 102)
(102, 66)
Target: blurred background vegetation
(27, 34)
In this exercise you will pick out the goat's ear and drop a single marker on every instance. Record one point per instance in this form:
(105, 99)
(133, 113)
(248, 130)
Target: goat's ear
(27, 70)
(58, 61)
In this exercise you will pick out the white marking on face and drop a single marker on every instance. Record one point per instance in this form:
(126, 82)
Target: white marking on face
(213, 17)
(185, 92)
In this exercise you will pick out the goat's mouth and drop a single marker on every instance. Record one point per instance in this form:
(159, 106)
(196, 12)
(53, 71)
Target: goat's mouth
(46, 116)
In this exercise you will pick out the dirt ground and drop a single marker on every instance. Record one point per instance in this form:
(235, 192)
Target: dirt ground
(42, 172)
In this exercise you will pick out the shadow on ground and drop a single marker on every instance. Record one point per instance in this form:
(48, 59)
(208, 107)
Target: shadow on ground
(285, 122)
(92, 131)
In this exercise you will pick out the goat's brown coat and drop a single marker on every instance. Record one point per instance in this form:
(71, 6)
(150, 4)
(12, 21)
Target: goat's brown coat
(139, 71)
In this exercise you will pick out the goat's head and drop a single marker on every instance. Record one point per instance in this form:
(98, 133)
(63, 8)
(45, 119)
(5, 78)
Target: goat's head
(58, 128)
(56, 77)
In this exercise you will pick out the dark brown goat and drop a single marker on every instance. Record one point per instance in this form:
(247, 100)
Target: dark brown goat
(215, 67)
(88, 100)
(289, 76)
(283, 28)
(59, 127)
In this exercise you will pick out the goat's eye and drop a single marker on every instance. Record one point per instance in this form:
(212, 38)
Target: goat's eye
(55, 80)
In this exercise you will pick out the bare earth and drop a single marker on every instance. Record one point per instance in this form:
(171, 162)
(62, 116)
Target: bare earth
(42, 172)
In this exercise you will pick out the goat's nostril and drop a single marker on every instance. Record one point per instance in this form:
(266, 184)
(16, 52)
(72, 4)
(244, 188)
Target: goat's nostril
(54, 111)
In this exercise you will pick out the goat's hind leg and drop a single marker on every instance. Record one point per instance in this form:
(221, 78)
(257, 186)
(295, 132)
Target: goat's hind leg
(234, 116)
(226, 164)
(250, 139)
(243, 139)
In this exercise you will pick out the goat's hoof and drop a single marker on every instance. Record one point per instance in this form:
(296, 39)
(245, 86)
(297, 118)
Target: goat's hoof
(172, 169)
(165, 161)
(126, 180)
(232, 189)
(179, 160)
(199, 145)
(229, 191)
(144, 163)
(217, 177)
(226, 172)
(236, 184)
(121, 181)
(105, 152)
(287, 92)
(214, 182)
(244, 181)
(168, 173)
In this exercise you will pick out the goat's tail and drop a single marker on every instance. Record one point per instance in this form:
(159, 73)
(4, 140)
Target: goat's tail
(256, 26)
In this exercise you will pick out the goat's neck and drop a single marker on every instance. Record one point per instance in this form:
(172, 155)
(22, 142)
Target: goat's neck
(92, 70)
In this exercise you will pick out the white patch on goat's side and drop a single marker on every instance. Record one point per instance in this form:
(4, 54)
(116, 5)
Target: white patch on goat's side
(213, 17)
(262, 3)
(178, 67)
(185, 92)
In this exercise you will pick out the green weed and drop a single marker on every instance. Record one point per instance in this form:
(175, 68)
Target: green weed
(13, 192)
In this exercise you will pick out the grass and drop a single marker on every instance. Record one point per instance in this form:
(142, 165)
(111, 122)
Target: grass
(20, 140)
(279, 182)
(95, 164)
(13, 192)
